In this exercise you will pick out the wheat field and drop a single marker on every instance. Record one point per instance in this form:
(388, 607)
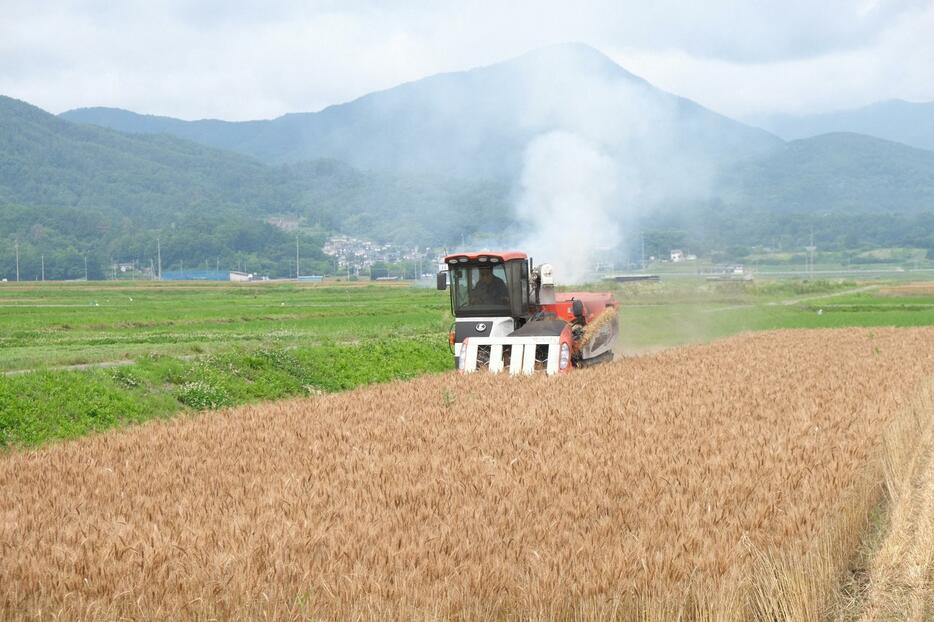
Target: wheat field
(724, 481)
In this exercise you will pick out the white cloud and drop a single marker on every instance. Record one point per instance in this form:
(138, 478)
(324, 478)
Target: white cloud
(898, 65)
(236, 59)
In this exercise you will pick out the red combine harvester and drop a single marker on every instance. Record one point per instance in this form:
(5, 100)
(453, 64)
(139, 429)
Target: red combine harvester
(508, 316)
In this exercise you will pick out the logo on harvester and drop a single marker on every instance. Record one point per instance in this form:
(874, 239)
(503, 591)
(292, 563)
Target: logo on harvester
(481, 327)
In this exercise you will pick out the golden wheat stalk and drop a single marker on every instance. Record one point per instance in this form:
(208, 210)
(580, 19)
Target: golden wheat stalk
(723, 481)
(591, 330)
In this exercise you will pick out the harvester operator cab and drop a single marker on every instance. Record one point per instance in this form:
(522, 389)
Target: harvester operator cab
(488, 285)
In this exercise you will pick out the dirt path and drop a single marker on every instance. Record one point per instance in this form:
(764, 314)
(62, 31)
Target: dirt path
(901, 579)
(181, 357)
(795, 300)
(78, 367)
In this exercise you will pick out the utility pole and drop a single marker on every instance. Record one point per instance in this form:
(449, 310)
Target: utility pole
(643, 249)
(17, 259)
(813, 248)
(298, 271)
(810, 256)
(85, 267)
(43, 265)
(159, 255)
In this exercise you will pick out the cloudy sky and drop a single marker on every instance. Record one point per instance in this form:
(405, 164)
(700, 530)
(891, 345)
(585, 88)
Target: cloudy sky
(235, 59)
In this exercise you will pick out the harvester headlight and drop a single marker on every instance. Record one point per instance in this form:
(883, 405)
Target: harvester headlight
(483, 259)
(494, 259)
(452, 261)
(462, 259)
(565, 358)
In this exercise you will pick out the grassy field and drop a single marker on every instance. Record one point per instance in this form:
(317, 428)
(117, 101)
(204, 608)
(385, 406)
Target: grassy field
(145, 350)
(80, 357)
(69, 324)
(675, 312)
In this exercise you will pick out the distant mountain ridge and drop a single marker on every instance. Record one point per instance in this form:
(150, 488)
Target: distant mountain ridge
(839, 171)
(473, 123)
(213, 132)
(897, 120)
(48, 160)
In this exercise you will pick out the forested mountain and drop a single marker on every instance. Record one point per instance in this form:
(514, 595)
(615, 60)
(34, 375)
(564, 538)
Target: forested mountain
(440, 160)
(911, 123)
(473, 123)
(67, 190)
(849, 191)
(45, 160)
(839, 172)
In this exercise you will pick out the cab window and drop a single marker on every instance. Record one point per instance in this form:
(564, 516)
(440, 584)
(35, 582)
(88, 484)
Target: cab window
(480, 289)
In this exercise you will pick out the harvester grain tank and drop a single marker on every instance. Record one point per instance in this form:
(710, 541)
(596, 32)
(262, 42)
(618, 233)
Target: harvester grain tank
(509, 317)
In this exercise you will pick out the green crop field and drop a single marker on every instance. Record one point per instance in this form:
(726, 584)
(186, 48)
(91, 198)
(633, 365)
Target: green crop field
(672, 313)
(69, 324)
(82, 357)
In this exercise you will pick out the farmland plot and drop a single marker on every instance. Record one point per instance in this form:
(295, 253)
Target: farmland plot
(731, 480)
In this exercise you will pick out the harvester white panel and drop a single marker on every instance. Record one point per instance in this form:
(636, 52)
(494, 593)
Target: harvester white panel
(521, 354)
(553, 354)
(528, 360)
(469, 357)
(496, 358)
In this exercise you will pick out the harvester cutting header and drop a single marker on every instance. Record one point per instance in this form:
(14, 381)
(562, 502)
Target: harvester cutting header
(508, 316)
